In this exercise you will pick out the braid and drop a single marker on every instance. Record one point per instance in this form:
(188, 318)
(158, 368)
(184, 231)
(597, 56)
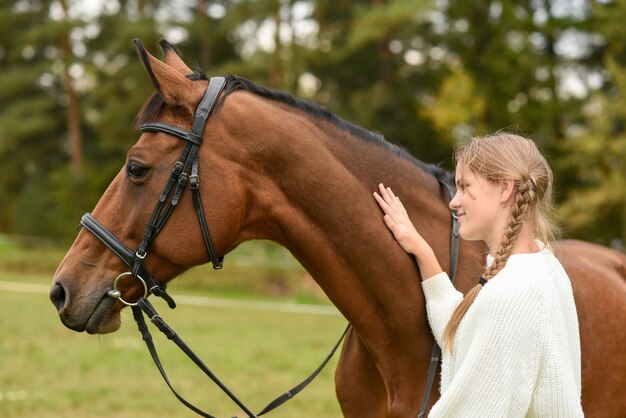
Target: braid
(526, 192)
(523, 197)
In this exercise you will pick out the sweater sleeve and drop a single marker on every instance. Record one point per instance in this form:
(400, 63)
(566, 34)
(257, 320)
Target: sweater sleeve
(496, 375)
(441, 301)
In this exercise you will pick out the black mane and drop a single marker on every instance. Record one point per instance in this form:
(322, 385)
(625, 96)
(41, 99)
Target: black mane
(234, 83)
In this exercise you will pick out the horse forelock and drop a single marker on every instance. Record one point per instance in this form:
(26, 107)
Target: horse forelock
(150, 110)
(154, 104)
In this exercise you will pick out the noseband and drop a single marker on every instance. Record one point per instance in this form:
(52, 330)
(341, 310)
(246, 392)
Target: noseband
(185, 172)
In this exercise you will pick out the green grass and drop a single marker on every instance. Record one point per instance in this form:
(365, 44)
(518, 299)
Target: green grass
(20, 256)
(49, 371)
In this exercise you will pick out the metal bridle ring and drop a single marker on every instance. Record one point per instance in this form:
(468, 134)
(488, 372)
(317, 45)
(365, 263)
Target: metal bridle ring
(118, 293)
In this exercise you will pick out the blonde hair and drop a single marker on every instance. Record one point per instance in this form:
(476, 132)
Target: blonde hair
(499, 157)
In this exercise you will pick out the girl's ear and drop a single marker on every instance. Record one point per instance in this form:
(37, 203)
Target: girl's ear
(175, 88)
(507, 191)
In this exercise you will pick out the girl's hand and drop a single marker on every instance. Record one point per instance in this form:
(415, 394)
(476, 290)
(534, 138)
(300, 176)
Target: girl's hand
(398, 222)
(402, 228)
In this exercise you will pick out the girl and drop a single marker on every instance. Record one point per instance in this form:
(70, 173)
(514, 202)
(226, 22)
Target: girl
(511, 346)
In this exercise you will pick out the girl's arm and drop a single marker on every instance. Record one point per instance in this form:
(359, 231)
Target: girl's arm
(441, 297)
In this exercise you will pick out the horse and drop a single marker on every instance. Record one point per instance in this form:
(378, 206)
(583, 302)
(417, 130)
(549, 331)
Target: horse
(279, 168)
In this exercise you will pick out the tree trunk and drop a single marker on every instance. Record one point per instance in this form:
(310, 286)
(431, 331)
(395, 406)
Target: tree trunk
(73, 116)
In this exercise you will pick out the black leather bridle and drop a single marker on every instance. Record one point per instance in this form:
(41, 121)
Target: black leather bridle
(185, 172)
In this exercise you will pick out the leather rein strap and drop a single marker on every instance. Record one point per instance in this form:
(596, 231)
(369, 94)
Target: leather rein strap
(144, 306)
(185, 172)
(454, 258)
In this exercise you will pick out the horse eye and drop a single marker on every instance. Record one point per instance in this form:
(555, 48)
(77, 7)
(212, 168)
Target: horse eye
(136, 171)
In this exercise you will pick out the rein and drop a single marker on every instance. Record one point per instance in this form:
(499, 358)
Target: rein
(185, 172)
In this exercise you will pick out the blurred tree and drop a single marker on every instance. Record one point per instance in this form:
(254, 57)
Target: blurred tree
(594, 155)
(208, 33)
(225, 37)
(34, 138)
(522, 58)
(373, 65)
(118, 81)
(531, 68)
(426, 73)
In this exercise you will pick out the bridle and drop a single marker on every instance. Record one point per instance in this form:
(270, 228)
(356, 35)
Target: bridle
(185, 172)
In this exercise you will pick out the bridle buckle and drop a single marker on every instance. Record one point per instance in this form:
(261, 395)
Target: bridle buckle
(194, 181)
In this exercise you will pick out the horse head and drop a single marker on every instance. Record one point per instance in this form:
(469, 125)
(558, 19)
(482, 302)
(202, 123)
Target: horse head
(87, 273)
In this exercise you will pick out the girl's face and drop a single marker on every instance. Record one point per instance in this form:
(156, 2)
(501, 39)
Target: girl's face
(478, 202)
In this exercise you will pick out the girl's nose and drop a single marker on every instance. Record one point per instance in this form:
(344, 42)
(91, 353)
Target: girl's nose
(454, 203)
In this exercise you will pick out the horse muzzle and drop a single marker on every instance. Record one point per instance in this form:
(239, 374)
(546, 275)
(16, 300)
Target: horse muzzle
(96, 313)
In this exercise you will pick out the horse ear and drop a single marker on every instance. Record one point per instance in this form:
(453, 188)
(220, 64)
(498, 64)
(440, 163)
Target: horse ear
(173, 59)
(173, 86)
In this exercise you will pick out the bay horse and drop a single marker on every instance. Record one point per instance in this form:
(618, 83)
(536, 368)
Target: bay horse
(278, 168)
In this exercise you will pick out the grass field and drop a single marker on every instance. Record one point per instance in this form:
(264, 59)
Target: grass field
(49, 371)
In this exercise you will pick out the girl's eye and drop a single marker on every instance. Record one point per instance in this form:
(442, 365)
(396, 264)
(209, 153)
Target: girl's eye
(136, 171)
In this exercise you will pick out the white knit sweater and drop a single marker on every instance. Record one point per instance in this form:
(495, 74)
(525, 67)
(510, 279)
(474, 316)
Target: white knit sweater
(516, 352)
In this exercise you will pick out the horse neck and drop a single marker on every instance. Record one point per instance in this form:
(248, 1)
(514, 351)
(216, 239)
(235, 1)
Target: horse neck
(309, 186)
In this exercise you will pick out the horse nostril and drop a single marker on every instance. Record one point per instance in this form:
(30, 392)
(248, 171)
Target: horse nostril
(58, 296)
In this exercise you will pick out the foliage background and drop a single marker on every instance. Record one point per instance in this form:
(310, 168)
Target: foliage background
(425, 73)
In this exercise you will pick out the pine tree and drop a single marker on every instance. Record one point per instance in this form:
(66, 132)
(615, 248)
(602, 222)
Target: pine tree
(595, 154)
(34, 107)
